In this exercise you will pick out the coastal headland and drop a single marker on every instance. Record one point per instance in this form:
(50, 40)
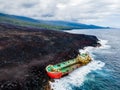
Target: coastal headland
(25, 52)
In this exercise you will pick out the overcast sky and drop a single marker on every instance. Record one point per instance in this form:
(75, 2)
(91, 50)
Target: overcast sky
(99, 12)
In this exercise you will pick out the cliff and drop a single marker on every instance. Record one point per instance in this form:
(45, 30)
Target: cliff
(25, 52)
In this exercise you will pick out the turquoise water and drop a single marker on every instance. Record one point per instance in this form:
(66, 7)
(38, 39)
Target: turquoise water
(109, 77)
(103, 73)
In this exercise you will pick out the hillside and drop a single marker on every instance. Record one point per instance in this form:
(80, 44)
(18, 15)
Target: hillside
(42, 24)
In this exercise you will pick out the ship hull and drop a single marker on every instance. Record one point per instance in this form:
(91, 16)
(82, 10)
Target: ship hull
(63, 71)
(53, 75)
(64, 68)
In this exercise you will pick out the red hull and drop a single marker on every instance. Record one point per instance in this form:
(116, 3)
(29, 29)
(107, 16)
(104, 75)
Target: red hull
(56, 75)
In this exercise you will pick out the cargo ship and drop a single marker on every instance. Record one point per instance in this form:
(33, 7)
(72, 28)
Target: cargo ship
(64, 68)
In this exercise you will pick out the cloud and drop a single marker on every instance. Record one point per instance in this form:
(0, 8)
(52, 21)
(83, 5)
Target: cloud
(84, 11)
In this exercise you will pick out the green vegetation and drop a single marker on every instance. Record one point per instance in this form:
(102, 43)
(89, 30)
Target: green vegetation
(4, 19)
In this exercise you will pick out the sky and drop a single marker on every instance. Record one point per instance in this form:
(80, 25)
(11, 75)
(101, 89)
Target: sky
(98, 12)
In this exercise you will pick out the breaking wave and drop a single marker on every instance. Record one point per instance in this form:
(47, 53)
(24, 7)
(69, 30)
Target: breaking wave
(77, 77)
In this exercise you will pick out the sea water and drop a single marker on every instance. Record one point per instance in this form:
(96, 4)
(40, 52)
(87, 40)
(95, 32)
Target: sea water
(103, 72)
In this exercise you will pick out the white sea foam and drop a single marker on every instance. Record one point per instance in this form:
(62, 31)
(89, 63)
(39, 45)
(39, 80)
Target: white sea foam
(104, 44)
(77, 77)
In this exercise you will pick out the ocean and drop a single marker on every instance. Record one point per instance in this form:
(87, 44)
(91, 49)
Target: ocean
(103, 73)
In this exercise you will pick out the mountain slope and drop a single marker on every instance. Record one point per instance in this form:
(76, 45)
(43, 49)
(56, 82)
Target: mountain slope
(55, 25)
(24, 21)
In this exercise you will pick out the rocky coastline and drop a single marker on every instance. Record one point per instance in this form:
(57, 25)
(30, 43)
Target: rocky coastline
(25, 52)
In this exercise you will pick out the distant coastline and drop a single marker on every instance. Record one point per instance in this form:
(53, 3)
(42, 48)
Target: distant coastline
(45, 24)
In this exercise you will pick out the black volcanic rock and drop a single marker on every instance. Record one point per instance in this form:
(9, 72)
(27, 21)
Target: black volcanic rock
(25, 52)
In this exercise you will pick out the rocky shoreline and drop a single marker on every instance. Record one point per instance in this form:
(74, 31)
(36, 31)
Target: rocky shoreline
(25, 52)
